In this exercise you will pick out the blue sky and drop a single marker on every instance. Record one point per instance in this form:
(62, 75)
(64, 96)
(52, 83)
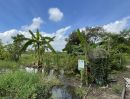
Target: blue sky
(53, 15)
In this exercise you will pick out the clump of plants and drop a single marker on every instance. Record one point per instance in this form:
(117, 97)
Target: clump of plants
(80, 91)
(99, 67)
(25, 85)
(117, 89)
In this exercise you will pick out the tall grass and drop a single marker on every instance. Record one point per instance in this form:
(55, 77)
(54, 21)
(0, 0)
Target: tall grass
(23, 85)
(127, 59)
(8, 64)
(27, 59)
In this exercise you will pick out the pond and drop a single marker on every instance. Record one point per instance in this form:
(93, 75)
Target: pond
(60, 93)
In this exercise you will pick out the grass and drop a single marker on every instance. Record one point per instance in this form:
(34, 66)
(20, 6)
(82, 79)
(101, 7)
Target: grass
(8, 64)
(27, 59)
(80, 91)
(127, 58)
(117, 89)
(24, 60)
(23, 85)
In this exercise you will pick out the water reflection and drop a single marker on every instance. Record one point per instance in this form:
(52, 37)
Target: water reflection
(60, 93)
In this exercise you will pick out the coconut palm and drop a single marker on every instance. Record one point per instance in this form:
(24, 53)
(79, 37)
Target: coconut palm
(40, 44)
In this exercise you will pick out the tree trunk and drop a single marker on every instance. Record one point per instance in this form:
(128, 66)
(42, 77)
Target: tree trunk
(39, 58)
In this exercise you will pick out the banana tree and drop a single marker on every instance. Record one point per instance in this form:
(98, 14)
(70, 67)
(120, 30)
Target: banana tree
(16, 46)
(85, 47)
(40, 44)
(84, 44)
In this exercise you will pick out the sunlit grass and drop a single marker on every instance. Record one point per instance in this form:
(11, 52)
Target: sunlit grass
(27, 59)
(8, 64)
(23, 85)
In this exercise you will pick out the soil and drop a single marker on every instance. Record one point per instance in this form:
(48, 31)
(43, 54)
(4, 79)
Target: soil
(112, 91)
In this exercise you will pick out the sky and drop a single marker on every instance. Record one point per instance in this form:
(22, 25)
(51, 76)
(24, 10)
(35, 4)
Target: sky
(60, 17)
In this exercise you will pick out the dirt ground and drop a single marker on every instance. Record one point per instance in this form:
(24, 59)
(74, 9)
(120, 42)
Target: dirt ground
(128, 89)
(113, 90)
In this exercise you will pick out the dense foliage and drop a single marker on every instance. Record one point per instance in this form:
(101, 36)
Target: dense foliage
(82, 42)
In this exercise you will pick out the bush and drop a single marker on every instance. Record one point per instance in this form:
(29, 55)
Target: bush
(23, 85)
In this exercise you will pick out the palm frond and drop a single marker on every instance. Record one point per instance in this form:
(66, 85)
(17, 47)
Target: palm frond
(81, 38)
(48, 39)
(38, 35)
(50, 47)
(32, 34)
(26, 45)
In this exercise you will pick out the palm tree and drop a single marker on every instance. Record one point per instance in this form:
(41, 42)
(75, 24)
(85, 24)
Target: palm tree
(40, 44)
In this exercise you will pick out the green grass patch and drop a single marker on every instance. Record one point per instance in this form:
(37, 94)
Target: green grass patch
(27, 59)
(80, 91)
(117, 89)
(127, 58)
(23, 85)
(8, 64)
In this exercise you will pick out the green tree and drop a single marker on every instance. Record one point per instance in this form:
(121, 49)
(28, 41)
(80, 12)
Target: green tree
(92, 35)
(1, 50)
(116, 45)
(40, 44)
(15, 47)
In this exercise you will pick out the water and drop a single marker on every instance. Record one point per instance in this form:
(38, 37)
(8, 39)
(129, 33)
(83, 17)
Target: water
(60, 93)
(63, 92)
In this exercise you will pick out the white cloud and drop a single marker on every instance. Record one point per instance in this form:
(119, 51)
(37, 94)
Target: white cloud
(117, 26)
(36, 23)
(59, 41)
(6, 36)
(55, 14)
(60, 35)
